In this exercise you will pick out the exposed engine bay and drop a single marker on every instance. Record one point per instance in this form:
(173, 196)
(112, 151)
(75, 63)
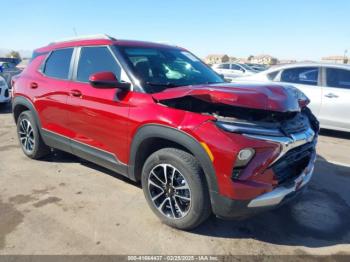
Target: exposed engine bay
(287, 122)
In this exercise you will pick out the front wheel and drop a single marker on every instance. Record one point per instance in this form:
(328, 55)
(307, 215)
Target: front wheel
(175, 188)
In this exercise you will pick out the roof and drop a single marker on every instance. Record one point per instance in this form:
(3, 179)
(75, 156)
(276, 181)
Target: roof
(285, 66)
(92, 40)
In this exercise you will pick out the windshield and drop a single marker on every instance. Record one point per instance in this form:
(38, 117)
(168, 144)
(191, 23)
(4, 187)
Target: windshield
(161, 68)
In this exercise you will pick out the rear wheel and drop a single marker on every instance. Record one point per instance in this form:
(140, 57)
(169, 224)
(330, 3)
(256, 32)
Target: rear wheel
(175, 188)
(29, 137)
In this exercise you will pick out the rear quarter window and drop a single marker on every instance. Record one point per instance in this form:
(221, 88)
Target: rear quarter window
(57, 64)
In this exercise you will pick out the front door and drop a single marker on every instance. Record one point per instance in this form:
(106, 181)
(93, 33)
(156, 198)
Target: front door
(98, 120)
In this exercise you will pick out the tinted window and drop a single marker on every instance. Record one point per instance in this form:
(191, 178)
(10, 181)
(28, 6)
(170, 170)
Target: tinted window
(224, 66)
(57, 65)
(96, 59)
(338, 78)
(301, 75)
(236, 67)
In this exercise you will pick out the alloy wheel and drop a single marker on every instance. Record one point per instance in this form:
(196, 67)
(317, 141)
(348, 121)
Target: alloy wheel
(26, 135)
(169, 191)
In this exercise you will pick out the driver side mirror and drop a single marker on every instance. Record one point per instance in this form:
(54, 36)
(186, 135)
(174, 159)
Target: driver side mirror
(107, 80)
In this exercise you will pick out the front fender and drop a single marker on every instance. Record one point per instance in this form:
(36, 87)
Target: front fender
(151, 131)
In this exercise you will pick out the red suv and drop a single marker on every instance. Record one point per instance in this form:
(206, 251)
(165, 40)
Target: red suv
(157, 114)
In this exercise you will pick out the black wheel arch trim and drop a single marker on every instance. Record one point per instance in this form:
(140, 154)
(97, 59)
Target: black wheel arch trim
(23, 101)
(154, 131)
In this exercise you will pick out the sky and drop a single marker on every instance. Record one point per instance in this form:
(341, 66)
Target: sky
(287, 29)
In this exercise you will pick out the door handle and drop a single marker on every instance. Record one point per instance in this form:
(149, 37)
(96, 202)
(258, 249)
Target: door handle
(34, 85)
(75, 93)
(331, 95)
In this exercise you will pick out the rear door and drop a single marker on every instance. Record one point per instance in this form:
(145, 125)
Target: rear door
(335, 108)
(307, 79)
(50, 90)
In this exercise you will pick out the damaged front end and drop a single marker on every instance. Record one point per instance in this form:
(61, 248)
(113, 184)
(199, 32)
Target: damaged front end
(267, 148)
(249, 121)
(279, 116)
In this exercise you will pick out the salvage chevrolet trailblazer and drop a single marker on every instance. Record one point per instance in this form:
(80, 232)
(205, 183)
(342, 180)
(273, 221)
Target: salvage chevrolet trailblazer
(157, 114)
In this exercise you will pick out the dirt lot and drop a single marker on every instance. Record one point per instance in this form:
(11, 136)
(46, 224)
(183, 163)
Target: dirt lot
(64, 205)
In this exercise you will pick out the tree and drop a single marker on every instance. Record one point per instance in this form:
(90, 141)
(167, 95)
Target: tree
(250, 57)
(14, 54)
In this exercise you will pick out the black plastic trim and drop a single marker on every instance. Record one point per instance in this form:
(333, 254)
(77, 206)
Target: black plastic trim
(23, 101)
(152, 131)
(227, 208)
(84, 151)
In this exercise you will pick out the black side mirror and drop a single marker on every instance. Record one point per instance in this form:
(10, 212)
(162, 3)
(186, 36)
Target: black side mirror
(107, 80)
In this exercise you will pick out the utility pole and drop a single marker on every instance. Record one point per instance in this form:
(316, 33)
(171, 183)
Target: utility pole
(75, 31)
(345, 60)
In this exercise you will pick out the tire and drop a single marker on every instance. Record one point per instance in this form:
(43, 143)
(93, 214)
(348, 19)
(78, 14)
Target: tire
(183, 202)
(29, 137)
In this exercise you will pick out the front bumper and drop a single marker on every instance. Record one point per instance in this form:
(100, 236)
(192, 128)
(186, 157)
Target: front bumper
(228, 208)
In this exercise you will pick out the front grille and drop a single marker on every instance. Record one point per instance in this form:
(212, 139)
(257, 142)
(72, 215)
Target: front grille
(293, 163)
(298, 124)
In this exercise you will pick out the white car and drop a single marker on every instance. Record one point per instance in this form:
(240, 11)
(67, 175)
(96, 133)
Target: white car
(326, 85)
(4, 91)
(233, 70)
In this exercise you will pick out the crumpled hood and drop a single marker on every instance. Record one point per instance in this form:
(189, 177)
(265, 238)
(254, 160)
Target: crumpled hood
(258, 96)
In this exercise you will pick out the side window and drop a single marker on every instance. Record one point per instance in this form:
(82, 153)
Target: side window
(96, 59)
(236, 67)
(58, 63)
(339, 78)
(224, 66)
(301, 75)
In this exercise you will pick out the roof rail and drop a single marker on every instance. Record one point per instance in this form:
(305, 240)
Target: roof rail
(83, 37)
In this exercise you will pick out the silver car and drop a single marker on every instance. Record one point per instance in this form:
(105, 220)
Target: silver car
(233, 70)
(326, 85)
(8, 70)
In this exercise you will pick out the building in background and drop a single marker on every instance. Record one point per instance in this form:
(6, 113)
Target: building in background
(216, 59)
(286, 61)
(337, 59)
(263, 59)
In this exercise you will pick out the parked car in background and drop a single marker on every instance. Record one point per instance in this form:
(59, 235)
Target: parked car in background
(158, 115)
(8, 70)
(23, 64)
(4, 91)
(233, 70)
(258, 67)
(326, 85)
